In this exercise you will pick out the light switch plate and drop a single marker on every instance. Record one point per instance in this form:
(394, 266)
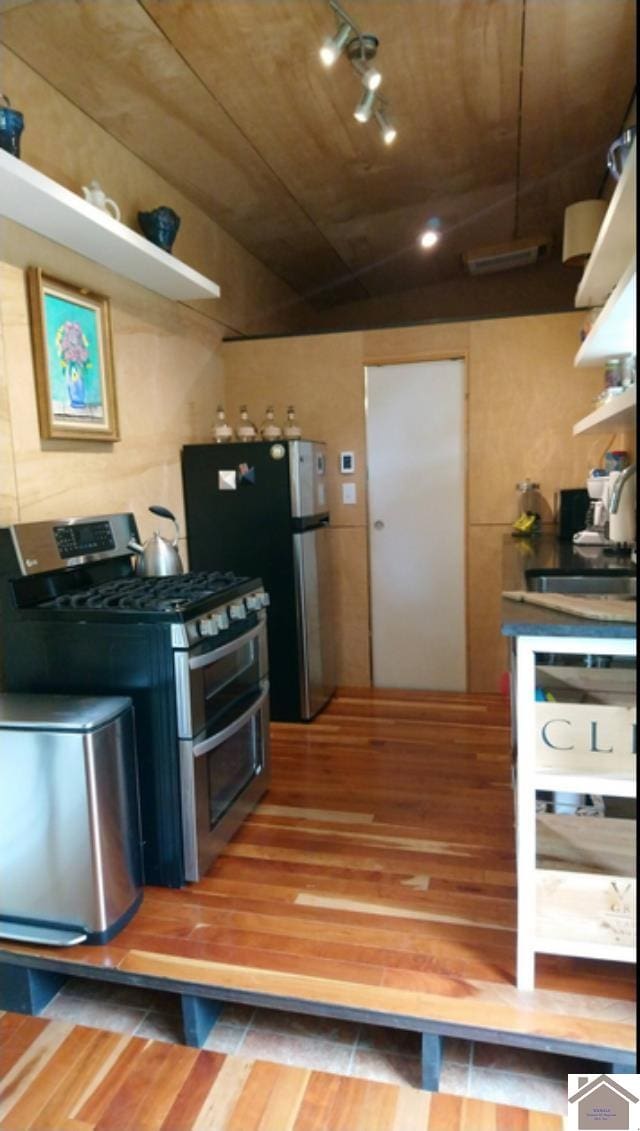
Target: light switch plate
(347, 463)
(349, 493)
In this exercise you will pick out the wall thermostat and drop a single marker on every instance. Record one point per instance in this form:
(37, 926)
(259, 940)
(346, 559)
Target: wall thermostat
(347, 463)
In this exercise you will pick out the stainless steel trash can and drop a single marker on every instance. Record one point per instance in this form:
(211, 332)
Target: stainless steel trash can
(70, 859)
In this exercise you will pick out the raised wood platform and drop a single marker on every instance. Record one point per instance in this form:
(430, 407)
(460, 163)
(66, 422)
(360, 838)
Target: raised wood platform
(376, 883)
(57, 1075)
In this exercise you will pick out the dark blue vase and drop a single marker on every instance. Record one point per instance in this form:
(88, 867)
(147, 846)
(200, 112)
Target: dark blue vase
(11, 126)
(160, 226)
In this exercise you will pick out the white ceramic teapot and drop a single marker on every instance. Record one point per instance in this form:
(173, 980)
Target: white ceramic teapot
(96, 196)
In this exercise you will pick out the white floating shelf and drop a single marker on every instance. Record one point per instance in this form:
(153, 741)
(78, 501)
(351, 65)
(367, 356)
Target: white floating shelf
(615, 242)
(617, 415)
(608, 785)
(35, 201)
(613, 334)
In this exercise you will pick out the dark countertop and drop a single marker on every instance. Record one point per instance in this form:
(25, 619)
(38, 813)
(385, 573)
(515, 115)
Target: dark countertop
(546, 552)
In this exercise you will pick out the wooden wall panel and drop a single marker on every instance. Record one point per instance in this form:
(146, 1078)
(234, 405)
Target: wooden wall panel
(323, 377)
(487, 649)
(349, 551)
(167, 379)
(523, 398)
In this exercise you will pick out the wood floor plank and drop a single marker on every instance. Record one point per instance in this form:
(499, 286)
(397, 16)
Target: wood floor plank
(223, 1096)
(16, 1093)
(129, 1050)
(100, 1051)
(317, 1102)
(363, 1105)
(191, 1097)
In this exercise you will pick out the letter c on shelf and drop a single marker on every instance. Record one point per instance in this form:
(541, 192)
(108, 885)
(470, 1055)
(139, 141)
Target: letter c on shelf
(547, 740)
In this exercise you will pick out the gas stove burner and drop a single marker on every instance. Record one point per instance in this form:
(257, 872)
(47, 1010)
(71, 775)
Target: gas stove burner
(148, 594)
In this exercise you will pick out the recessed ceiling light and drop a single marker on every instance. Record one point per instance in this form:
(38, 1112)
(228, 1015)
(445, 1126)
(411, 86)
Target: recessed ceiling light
(431, 234)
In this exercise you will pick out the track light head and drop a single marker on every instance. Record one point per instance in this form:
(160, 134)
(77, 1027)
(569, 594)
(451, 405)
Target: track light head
(364, 109)
(372, 78)
(332, 47)
(387, 129)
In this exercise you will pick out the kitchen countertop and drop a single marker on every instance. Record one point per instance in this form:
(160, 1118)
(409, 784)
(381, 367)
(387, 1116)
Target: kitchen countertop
(546, 552)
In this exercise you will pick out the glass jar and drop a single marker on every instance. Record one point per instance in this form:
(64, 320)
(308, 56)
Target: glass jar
(613, 373)
(269, 430)
(222, 431)
(291, 430)
(246, 429)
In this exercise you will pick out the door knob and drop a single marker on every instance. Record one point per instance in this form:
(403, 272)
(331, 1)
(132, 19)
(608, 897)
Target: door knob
(379, 524)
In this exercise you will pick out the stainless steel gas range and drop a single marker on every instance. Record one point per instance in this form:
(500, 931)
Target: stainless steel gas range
(189, 650)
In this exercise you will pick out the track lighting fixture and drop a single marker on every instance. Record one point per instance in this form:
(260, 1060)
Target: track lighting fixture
(332, 47)
(361, 50)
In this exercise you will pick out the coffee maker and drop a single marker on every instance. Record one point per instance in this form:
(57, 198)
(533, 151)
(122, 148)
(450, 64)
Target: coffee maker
(596, 531)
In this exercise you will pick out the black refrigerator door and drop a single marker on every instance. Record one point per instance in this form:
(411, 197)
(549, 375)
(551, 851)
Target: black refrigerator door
(237, 507)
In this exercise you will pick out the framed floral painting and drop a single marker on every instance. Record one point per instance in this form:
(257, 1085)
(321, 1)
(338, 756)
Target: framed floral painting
(73, 360)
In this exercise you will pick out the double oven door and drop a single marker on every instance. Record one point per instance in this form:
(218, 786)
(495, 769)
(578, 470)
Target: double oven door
(223, 724)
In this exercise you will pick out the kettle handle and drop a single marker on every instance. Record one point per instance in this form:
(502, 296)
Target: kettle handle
(162, 512)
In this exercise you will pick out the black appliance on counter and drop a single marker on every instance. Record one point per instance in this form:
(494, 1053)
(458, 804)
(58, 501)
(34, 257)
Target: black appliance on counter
(261, 507)
(573, 505)
(189, 650)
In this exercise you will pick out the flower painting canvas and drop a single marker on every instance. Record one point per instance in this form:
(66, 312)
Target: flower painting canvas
(72, 355)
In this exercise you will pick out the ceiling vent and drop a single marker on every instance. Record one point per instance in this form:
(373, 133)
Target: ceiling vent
(506, 256)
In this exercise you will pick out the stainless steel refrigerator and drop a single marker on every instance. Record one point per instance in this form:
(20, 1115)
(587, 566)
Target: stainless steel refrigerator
(260, 510)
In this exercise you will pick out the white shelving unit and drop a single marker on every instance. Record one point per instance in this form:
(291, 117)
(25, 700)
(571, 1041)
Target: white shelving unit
(617, 415)
(576, 875)
(615, 242)
(610, 279)
(613, 334)
(30, 198)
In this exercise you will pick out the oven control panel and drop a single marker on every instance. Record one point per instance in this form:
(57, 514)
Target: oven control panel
(44, 546)
(84, 538)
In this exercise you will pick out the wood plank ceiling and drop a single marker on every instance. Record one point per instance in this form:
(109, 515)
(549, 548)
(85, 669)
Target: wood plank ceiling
(504, 108)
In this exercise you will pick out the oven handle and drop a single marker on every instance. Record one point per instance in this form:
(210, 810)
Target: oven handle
(225, 650)
(210, 743)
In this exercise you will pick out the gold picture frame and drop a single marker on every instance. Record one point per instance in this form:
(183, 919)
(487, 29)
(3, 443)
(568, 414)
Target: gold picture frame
(73, 360)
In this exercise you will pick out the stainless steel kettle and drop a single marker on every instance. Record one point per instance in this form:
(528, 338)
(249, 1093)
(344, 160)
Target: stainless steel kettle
(158, 557)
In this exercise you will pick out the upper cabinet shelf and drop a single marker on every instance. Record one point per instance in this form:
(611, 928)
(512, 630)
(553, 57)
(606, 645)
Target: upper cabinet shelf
(615, 243)
(38, 203)
(616, 415)
(613, 334)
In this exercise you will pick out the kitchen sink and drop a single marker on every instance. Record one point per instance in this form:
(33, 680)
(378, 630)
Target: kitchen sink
(595, 582)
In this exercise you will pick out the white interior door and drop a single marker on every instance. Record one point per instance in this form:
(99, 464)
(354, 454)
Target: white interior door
(416, 477)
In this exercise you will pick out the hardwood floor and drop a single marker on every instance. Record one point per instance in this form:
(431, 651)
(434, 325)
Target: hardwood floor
(374, 882)
(62, 1077)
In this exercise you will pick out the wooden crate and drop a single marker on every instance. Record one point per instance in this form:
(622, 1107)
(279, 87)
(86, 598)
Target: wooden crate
(585, 886)
(589, 738)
